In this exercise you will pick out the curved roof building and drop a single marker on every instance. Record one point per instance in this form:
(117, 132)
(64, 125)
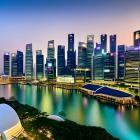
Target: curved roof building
(55, 117)
(10, 126)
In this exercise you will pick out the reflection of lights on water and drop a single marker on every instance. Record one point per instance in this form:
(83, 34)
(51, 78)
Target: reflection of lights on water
(119, 108)
(123, 109)
(132, 107)
(85, 102)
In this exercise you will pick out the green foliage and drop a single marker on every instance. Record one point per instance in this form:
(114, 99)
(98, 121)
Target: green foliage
(62, 114)
(21, 138)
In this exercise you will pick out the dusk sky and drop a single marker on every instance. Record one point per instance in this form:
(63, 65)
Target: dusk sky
(38, 21)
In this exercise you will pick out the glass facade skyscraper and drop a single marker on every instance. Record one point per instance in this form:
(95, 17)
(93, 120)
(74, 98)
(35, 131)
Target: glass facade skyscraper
(131, 66)
(137, 38)
(29, 62)
(82, 55)
(7, 63)
(121, 57)
(51, 49)
(19, 63)
(71, 56)
(104, 43)
(98, 49)
(113, 44)
(61, 60)
(13, 65)
(89, 51)
(39, 65)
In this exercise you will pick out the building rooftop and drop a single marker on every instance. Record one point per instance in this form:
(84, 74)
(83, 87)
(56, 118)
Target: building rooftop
(91, 87)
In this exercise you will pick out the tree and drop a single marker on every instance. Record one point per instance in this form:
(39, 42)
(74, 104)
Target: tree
(62, 114)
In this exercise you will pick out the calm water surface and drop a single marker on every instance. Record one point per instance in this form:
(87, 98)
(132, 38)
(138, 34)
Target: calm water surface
(120, 121)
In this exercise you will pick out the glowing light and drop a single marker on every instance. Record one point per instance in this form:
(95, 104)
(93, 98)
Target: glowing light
(121, 55)
(107, 70)
(28, 47)
(111, 54)
(137, 36)
(50, 69)
(50, 64)
(98, 47)
(84, 45)
(70, 49)
(136, 48)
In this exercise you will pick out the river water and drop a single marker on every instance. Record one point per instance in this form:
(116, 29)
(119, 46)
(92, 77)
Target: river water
(120, 121)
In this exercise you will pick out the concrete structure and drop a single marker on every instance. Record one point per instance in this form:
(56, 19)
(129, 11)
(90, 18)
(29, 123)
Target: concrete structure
(10, 126)
(55, 117)
(108, 94)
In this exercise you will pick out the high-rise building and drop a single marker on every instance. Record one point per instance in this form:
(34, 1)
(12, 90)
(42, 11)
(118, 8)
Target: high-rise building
(98, 67)
(98, 49)
(121, 53)
(7, 63)
(71, 56)
(137, 38)
(113, 44)
(13, 65)
(131, 65)
(50, 69)
(104, 43)
(89, 51)
(39, 65)
(61, 60)
(51, 49)
(82, 55)
(29, 62)
(19, 63)
(109, 66)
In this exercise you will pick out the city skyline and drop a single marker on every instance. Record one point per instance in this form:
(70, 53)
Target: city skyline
(25, 22)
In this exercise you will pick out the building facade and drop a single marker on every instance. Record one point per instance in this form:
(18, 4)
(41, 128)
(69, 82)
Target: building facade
(82, 55)
(50, 69)
(7, 63)
(29, 62)
(71, 56)
(98, 49)
(131, 66)
(39, 65)
(19, 63)
(104, 43)
(113, 44)
(13, 65)
(89, 51)
(51, 49)
(120, 67)
(61, 60)
(137, 38)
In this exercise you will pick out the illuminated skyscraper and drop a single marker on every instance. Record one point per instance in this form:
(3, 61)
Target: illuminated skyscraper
(137, 38)
(89, 51)
(61, 60)
(39, 65)
(29, 62)
(113, 44)
(7, 63)
(13, 65)
(19, 63)
(121, 51)
(51, 49)
(109, 68)
(98, 49)
(104, 43)
(71, 55)
(82, 55)
(131, 65)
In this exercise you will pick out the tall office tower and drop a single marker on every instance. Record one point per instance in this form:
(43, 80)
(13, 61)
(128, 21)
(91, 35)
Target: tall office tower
(98, 50)
(29, 62)
(104, 43)
(120, 71)
(51, 49)
(128, 48)
(131, 65)
(82, 55)
(98, 67)
(89, 51)
(13, 65)
(93, 74)
(39, 65)
(113, 44)
(109, 66)
(71, 55)
(137, 38)
(61, 60)
(19, 63)
(50, 69)
(7, 63)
